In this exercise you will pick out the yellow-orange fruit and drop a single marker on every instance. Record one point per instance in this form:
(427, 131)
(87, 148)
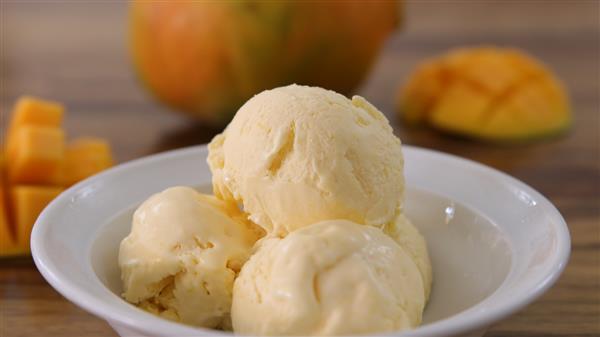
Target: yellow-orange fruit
(8, 245)
(35, 166)
(38, 155)
(7, 242)
(206, 58)
(33, 112)
(497, 94)
(27, 204)
(86, 157)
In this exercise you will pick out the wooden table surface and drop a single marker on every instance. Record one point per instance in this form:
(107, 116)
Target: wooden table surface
(76, 53)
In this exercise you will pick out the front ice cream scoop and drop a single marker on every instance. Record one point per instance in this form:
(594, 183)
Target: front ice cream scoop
(297, 155)
(331, 278)
(182, 255)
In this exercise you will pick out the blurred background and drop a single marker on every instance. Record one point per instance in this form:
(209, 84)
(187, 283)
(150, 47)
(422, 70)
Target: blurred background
(78, 53)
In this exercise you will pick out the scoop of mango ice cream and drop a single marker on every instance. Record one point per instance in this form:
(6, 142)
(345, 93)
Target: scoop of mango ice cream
(408, 237)
(331, 278)
(297, 155)
(182, 255)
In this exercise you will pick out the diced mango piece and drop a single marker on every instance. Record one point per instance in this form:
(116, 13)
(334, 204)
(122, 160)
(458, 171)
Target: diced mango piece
(490, 93)
(8, 246)
(27, 203)
(38, 155)
(86, 157)
(7, 242)
(33, 112)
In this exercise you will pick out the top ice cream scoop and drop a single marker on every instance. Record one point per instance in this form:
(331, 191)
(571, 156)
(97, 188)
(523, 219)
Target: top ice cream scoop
(297, 155)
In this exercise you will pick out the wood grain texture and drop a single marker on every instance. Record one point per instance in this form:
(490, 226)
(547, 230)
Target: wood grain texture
(75, 52)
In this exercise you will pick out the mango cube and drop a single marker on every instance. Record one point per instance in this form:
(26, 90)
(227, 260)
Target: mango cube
(38, 155)
(7, 242)
(86, 157)
(27, 204)
(33, 112)
(8, 246)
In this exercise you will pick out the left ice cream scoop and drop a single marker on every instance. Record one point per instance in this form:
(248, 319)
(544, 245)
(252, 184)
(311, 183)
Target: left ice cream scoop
(183, 254)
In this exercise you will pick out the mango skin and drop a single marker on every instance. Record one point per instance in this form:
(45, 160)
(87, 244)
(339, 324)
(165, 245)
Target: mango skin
(488, 93)
(206, 58)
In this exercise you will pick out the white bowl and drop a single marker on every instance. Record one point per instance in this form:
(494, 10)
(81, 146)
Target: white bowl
(496, 244)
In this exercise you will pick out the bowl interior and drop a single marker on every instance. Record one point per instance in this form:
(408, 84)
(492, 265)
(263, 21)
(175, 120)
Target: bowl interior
(470, 255)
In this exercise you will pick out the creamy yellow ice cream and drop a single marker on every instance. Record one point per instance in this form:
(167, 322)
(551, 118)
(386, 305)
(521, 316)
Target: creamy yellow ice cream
(408, 237)
(323, 176)
(330, 278)
(297, 155)
(182, 256)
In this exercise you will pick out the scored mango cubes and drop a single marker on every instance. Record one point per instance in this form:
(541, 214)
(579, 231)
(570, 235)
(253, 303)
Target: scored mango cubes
(36, 164)
(490, 93)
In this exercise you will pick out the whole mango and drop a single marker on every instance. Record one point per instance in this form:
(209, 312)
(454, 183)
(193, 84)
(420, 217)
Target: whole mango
(206, 58)
(490, 93)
